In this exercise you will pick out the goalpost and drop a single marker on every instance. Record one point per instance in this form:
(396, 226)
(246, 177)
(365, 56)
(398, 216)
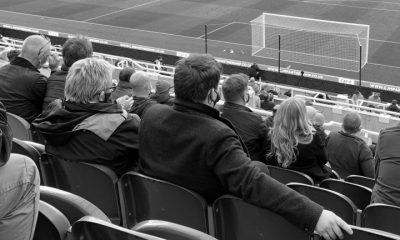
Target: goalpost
(331, 44)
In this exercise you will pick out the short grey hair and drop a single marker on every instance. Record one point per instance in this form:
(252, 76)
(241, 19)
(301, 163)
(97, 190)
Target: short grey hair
(86, 79)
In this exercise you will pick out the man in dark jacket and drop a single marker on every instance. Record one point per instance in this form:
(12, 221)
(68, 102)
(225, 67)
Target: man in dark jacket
(86, 127)
(73, 50)
(192, 146)
(349, 154)
(19, 188)
(252, 129)
(22, 86)
(140, 82)
(124, 87)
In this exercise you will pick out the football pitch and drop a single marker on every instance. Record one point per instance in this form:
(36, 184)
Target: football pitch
(179, 25)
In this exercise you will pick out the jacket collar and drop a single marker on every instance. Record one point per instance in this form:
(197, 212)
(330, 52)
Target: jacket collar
(22, 62)
(124, 85)
(198, 107)
(231, 105)
(350, 135)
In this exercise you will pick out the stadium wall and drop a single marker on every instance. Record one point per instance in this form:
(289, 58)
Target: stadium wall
(287, 77)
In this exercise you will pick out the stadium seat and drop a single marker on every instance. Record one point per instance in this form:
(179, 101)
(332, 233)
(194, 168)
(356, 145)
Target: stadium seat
(71, 205)
(146, 198)
(26, 149)
(20, 127)
(359, 195)
(382, 217)
(237, 220)
(170, 230)
(330, 200)
(90, 228)
(51, 223)
(93, 182)
(286, 176)
(369, 234)
(361, 180)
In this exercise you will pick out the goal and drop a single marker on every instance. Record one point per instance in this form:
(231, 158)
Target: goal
(330, 44)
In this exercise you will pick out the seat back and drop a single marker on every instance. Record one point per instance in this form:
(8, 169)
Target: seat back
(359, 195)
(330, 200)
(146, 198)
(90, 228)
(382, 216)
(51, 223)
(369, 234)
(361, 180)
(71, 205)
(286, 176)
(237, 220)
(170, 230)
(93, 182)
(20, 127)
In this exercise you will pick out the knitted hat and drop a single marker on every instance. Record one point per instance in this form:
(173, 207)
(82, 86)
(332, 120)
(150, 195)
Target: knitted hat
(162, 86)
(5, 137)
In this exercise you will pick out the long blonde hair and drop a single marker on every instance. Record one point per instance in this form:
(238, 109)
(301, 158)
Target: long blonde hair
(290, 127)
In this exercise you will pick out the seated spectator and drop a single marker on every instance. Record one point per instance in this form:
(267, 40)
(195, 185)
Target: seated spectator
(12, 54)
(268, 102)
(87, 128)
(294, 144)
(250, 126)
(22, 87)
(73, 50)
(387, 167)
(319, 128)
(375, 97)
(140, 82)
(162, 95)
(123, 87)
(19, 188)
(257, 100)
(255, 72)
(348, 154)
(192, 146)
(393, 106)
(54, 62)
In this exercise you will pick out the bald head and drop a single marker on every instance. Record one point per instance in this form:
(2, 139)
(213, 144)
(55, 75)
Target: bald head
(319, 119)
(311, 111)
(36, 49)
(352, 123)
(140, 82)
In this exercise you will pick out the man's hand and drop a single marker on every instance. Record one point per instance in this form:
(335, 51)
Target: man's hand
(125, 102)
(330, 226)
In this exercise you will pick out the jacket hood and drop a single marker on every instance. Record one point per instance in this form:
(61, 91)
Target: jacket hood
(57, 126)
(5, 137)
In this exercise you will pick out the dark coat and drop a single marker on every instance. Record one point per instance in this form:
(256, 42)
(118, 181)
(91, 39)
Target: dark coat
(310, 159)
(140, 105)
(22, 88)
(349, 155)
(55, 86)
(122, 89)
(94, 133)
(387, 159)
(190, 145)
(251, 128)
(5, 137)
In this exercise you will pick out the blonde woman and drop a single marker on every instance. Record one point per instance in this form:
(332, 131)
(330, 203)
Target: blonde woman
(294, 143)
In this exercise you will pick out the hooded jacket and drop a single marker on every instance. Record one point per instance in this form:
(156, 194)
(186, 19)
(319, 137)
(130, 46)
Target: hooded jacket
(5, 137)
(99, 133)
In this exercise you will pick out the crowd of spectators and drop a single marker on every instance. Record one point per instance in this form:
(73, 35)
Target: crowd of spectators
(84, 117)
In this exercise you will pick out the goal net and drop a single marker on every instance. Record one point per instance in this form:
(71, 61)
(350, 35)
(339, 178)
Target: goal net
(310, 41)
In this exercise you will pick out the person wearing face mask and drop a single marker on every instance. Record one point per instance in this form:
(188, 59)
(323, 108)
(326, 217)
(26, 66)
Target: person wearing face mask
(250, 126)
(22, 86)
(87, 127)
(192, 146)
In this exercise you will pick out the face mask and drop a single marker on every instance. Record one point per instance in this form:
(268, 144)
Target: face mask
(248, 98)
(217, 98)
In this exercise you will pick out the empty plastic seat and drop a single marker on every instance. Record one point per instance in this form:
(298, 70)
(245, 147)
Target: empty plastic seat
(286, 176)
(382, 216)
(330, 200)
(361, 180)
(170, 230)
(71, 205)
(20, 127)
(146, 198)
(51, 223)
(90, 228)
(359, 195)
(93, 182)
